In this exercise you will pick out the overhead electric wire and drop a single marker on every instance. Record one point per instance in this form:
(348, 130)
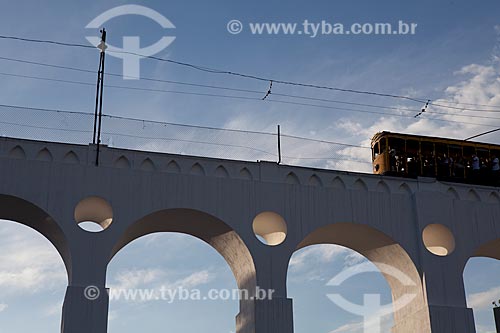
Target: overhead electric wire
(439, 103)
(197, 127)
(218, 71)
(199, 85)
(382, 113)
(327, 158)
(481, 134)
(140, 137)
(190, 141)
(240, 90)
(471, 104)
(125, 76)
(460, 108)
(253, 99)
(46, 41)
(322, 141)
(175, 139)
(254, 77)
(137, 119)
(193, 141)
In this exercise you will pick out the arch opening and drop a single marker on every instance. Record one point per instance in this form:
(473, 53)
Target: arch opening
(480, 281)
(33, 279)
(322, 302)
(215, 234)
(409, 307)
(482, 289)
(28, 214)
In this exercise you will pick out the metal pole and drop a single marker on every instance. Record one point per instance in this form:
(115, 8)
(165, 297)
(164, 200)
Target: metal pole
(97, 99)
(496, 312)
(103, 55)
(279, 145)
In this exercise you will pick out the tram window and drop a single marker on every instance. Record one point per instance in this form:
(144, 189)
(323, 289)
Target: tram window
(412, 147)
(382, 145)
(427, 156)
(495, 153)
(455, 152)
(484, 157)
(376, 150)
(442, 160)
(428, 148)
(412, 157)
(457, 161)
(468, 152)
(397, 154)
(441, 151)
(397, 144)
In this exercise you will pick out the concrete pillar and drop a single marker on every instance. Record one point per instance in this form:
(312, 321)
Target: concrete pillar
(85, 310)
(86, 303)
(274, 316)
(442, 272)
(446, 300)
(451, 319)
(267, 310)
(272, 308)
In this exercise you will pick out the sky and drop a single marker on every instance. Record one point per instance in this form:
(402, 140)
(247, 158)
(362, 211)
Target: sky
(454, 57)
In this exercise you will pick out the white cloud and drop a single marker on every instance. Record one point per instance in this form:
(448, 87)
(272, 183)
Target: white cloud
(153, 281)
(31, 279)
(354, 258)
(323, 253)
(349, 125)
(482, 300)
(3, 307)
(156, 278)
(29, 264)
(138, 278)
(194, 280)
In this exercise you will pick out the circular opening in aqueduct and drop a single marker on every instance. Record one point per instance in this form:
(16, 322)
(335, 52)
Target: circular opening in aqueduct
(438, 240)
(93, 214)
(270, 228)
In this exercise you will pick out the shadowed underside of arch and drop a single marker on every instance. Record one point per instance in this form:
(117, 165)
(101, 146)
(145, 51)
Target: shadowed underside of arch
(212, 231)
(24, 212)
(490, 249)
(384, 252)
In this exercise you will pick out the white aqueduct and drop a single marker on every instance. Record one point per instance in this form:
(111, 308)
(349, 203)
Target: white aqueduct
(426, 229)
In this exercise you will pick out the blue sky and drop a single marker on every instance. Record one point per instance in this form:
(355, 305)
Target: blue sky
(454, 56)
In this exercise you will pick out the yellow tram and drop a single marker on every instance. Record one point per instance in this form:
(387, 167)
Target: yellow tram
(414, 156)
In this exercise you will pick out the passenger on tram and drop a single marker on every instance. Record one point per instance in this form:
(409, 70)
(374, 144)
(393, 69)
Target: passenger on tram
(495, 169)
(476, 167)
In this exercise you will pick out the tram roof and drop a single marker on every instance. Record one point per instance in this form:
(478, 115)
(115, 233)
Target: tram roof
(382, 134)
